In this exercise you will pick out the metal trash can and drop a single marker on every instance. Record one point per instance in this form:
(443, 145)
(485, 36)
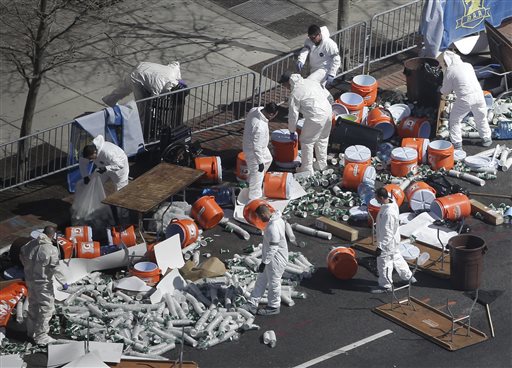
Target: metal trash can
(422, 83)
(466, 261)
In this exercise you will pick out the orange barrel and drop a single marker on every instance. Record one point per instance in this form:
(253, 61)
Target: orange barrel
(186, 228)
(381, 119)
(440, 154)
(397, 193)
(342, 263)
(277, 185)
(241, 167)
(146, 271)
(420, 196)
(420, 145)
(79, 233)
(10, 295)
(451, 207)
(358, 154)
(126, 237)
(355, 174)
(403, 161)
(66, 247)
(373, 210)
(414, 127)
(337, 110)
(250, 213)
(366, 87)
(207, 212)
(88, 249)
(212, 166)
(354, 104)
(285, 149)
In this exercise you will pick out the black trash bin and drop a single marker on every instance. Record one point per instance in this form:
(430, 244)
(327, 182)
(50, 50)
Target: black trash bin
(466, 261)
(423, 81)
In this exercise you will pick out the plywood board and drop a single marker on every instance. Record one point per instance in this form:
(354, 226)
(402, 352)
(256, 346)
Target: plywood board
(432, 324)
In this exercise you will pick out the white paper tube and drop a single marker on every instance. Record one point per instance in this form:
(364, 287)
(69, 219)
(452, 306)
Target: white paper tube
(290, 234)
(312, 232)
(467, 177)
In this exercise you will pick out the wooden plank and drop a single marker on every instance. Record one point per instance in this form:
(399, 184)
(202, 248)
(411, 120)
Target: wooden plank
(338, 229)
(153, 187)
(490, 216)
(433, 266)
(430, 323)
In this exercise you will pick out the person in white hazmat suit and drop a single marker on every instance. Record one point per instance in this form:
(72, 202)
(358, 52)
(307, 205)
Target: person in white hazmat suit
(40, 258)
(311, 99)
(388, 240)
(255, 146)
(460, 77)
(324, 55)
(110, 160)
(273, 262)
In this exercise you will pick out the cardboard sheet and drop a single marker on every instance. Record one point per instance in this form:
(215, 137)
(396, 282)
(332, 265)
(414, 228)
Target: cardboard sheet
(59, 354)
(171, 282)
(86, 361)
(11, 361)
(423, 229)
(168, 254)
(132, 283)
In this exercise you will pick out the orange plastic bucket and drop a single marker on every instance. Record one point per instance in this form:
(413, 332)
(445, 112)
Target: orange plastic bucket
(250, 213)
(88, 249)
(186, 228)
(146, 271)
(420, 145)
(285, 149)
(207, 212)
(79, 233)
(440, 154)
(67, 248)
(126, 237)
(420, 196)
(381, 119)
(10, 295)
(338, 109)
(354, 104)
(451, 207)
(414, 127)
(212, 166)
(397, 193)
(342, 263)
(277, 185)
(354, 174)
(403, 161)
(373, 210)
(241, 167)
(365, 86)
(358, 154)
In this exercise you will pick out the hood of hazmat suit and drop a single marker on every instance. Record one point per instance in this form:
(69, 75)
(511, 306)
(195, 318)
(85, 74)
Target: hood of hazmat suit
(324, 56)
(157, 78)
(39, 258)
(459, 76)
(256, 137)
(275, 248)
(387, 228)
(309, 98)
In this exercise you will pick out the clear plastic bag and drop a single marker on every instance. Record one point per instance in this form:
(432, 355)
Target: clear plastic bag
(87, 206)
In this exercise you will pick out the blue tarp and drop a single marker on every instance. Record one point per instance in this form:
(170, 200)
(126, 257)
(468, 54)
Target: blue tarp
(446, 21)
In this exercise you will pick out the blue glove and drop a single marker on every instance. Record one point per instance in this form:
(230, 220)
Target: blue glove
(300, 66)
(329, 80)
(293, 136)
(182, 84)
(65, 286)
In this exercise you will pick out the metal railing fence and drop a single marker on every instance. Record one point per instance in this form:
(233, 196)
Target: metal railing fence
(351, 42)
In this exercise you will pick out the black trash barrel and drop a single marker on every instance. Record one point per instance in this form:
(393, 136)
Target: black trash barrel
(466, 261)
(422, 84)
(347, 133)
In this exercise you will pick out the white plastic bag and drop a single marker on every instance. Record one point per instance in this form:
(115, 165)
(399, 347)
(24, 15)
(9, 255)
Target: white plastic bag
(87, 206)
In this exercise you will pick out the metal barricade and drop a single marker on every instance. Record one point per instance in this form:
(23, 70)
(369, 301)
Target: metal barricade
(203, 107)
(351, 42)
(394, 31)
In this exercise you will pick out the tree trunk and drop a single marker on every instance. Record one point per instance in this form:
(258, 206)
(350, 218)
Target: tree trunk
(343, 13)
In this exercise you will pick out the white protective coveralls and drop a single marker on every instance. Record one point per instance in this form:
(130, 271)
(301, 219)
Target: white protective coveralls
(310, 98)
(113, 159)
(324, 59)
(275, 258)
(460, 78)
(255, 147)
(388, 239)
(39, 258)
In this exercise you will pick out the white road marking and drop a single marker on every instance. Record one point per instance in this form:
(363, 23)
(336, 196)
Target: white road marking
(344, 349)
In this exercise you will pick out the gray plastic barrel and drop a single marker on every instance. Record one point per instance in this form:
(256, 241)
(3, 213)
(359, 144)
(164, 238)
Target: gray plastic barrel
(466, 261)
(421, 85)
